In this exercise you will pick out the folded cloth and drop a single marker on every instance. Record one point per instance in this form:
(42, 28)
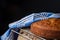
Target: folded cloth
(26, 21)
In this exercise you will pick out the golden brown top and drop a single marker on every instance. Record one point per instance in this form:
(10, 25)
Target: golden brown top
(49, 24)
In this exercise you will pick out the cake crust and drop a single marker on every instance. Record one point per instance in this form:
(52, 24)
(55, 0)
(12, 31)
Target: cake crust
(49, 28)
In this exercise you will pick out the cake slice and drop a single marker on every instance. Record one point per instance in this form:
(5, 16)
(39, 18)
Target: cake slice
(48, 28)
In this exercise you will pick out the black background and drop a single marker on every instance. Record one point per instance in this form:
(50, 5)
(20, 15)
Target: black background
(12, 10)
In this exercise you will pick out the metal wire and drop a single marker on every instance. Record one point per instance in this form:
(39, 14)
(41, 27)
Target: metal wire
(32, 36)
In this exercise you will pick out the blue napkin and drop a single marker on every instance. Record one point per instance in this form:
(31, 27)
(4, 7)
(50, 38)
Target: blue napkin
(26, 21)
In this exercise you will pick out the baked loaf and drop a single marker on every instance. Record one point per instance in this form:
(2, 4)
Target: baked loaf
(48, 28)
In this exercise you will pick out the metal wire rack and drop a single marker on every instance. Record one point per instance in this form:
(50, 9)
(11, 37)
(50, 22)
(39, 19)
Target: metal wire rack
(23, 34)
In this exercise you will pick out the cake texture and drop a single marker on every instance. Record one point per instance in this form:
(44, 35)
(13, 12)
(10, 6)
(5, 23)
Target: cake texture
(48, 28)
